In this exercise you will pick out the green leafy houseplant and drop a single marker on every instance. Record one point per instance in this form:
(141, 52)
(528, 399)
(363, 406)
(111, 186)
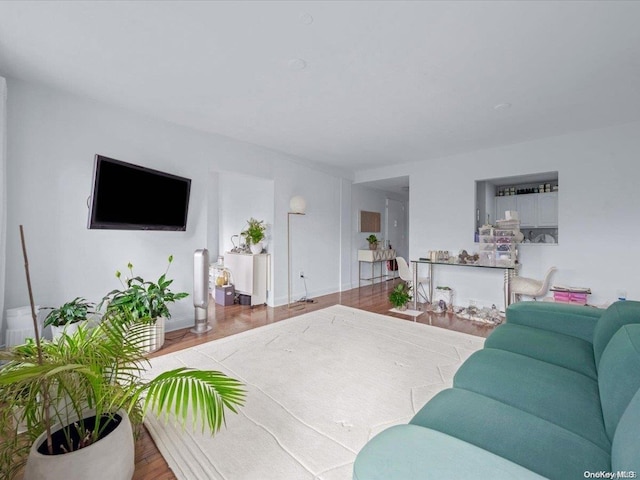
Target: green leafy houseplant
(400, 295)
(71, 312)
(373, 242)
(254, 232)
(144, 299)
(99, 370)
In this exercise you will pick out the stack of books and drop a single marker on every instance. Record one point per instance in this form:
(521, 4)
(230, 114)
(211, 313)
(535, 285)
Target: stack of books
(577, 295)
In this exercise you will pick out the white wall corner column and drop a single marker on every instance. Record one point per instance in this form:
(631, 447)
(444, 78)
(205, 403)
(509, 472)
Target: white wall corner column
(3, 197)
(345, 234)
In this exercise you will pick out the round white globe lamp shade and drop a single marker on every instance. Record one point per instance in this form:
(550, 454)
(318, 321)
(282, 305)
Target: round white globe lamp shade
(297, 204)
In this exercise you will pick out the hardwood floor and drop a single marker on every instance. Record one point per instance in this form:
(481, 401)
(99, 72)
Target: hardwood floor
(234, 319)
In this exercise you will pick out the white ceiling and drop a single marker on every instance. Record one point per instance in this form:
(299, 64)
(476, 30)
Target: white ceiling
(384, 83)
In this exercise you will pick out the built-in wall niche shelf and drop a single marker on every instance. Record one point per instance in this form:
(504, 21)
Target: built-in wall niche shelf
(533, 196)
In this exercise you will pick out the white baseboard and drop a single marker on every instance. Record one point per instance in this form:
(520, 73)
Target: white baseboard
(296, 296)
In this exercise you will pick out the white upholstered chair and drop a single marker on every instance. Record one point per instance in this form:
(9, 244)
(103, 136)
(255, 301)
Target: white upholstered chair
(530, 287)
(406, 274)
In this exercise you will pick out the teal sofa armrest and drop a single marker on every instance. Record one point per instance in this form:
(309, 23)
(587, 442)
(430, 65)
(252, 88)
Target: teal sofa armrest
(413, 452)
(574, 320)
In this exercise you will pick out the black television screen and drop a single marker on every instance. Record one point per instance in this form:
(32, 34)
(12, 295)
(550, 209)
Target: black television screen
(129, 197)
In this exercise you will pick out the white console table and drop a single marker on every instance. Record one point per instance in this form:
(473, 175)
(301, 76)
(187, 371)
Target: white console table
(372, 257)
(249, 275)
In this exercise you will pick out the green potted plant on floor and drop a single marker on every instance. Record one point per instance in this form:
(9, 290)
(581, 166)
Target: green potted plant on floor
(400, 296)
(254, 234)
(66, 318)
(373, 242)
(146, 301)
(75, 401)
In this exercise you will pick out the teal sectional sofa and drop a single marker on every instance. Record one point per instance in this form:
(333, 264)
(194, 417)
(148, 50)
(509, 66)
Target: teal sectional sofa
(554, 393)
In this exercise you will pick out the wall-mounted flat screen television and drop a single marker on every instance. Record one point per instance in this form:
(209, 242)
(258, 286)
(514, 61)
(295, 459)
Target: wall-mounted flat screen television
(130, 197)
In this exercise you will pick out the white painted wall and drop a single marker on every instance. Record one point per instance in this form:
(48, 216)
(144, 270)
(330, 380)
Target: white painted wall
(241, 197)
(52, 142)
(315, 236)
(598, 211)
(396, 226)
(52, 139)
(213, 216)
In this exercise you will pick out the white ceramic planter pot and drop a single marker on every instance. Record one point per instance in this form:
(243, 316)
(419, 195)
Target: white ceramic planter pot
(160, 331)
(111, 458)
(69, 329)
(256, 248)
(156, 334)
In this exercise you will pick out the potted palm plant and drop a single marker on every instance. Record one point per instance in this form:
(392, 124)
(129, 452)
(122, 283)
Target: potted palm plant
(254, 234)
(146, 301)
(66, 318)
(76, 400)
(400, 296)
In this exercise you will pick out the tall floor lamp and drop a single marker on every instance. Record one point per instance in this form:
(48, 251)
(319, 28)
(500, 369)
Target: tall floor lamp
(297, 205)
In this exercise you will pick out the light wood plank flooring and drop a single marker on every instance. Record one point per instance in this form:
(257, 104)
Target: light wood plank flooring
(234, 319)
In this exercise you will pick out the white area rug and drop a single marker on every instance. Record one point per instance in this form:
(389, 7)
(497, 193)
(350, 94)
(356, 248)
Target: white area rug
(318, 387)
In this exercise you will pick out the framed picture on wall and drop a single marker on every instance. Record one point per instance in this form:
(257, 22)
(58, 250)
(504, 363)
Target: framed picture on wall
(369, 221)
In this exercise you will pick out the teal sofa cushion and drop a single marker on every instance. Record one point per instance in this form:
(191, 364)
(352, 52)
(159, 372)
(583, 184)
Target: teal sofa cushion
(556, 394)
(518, 436)
(619, 375)
(575, 320)
(409, 452)
(616, 316)
(556, 348)
(625, 452)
